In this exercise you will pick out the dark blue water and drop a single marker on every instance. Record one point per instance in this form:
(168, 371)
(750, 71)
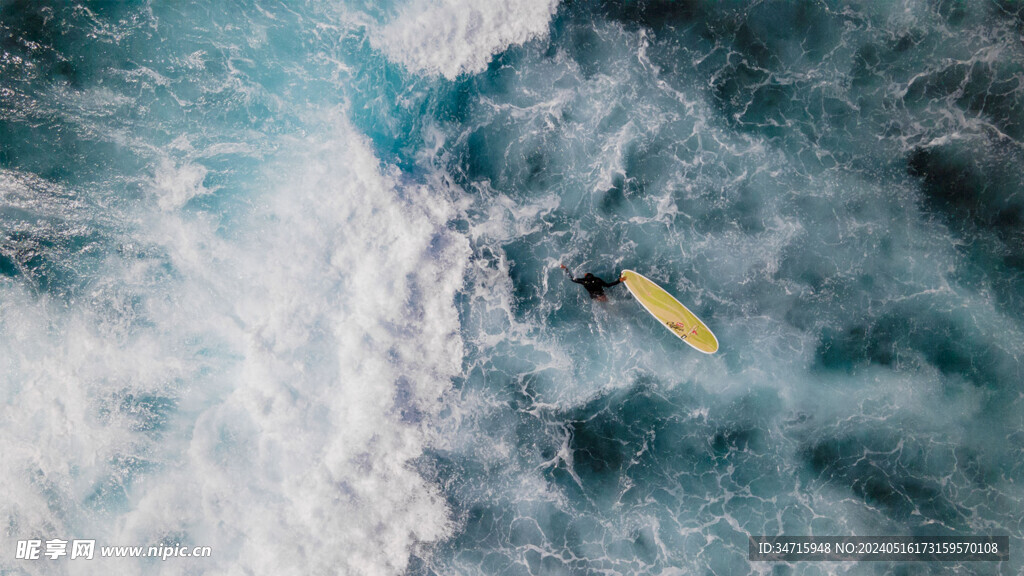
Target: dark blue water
(282, 278)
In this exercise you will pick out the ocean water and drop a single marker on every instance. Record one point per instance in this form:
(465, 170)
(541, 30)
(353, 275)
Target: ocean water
(282, 278)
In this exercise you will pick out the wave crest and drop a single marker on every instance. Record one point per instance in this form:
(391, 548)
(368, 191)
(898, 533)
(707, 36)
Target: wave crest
(452, 37)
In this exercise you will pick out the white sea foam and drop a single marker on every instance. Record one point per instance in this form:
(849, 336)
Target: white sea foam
(176, 185)
(452, 37)
(302, 356)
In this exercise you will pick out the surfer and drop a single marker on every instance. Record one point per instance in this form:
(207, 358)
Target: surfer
(594, 285)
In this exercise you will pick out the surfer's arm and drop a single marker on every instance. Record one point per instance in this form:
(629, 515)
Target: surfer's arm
(607, 285)
(569, 274)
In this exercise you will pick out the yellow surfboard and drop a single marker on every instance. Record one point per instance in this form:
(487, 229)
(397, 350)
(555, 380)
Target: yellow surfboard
(672, 315)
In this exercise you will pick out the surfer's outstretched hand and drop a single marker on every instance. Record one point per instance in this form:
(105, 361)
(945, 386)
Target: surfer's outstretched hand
(562, 266)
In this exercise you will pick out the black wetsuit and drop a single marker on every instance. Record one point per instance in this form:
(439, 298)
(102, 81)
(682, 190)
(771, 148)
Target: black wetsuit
(594, 285)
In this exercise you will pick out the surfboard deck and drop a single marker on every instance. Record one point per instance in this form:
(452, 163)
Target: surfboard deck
(670, 312)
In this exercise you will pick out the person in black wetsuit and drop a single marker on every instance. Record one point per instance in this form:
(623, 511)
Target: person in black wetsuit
(594, 285)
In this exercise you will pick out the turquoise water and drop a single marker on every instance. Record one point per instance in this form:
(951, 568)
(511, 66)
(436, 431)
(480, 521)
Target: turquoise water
(282, 279)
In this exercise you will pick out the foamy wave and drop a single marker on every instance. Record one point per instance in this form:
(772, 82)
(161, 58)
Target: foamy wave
(451, 37)
(266, 397)
(175, 186)
(342, 308)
